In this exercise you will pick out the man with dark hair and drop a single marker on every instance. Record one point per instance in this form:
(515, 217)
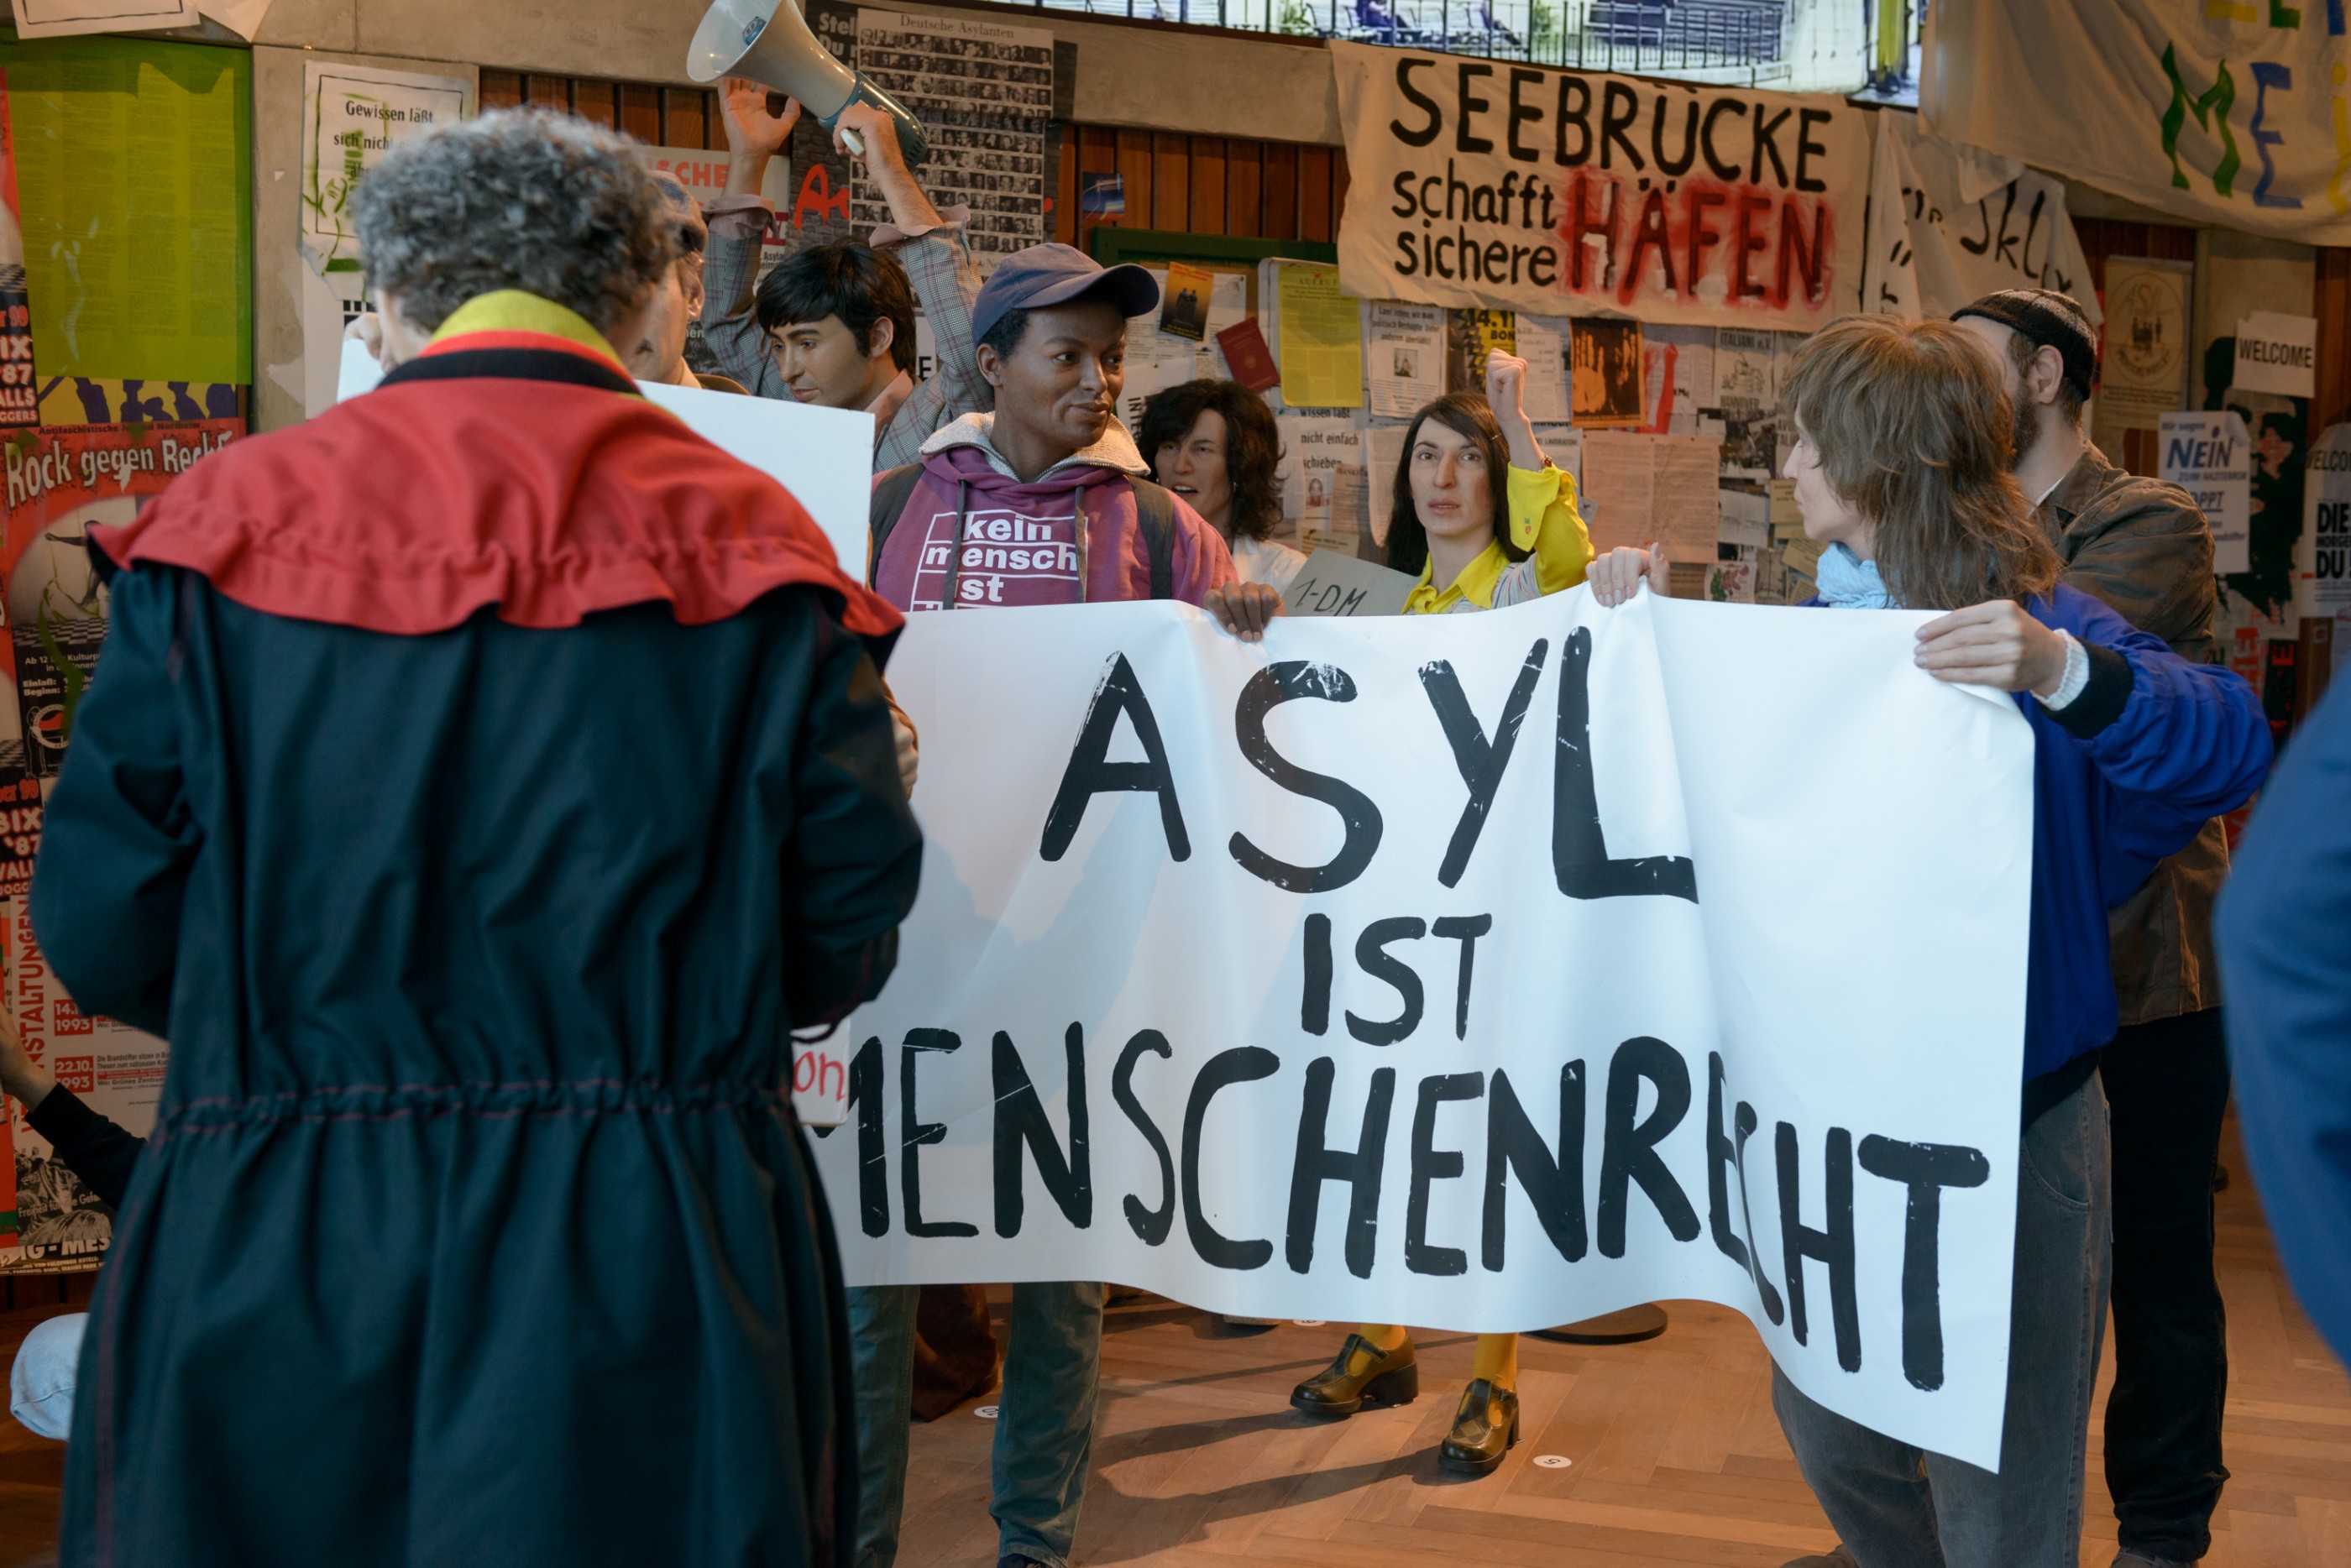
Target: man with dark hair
(834, 323)
(2141, 546)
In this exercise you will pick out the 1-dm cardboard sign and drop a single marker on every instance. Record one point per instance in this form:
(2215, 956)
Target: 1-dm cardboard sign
(1471, 972)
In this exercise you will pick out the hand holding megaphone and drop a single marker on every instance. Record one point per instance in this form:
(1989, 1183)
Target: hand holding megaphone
(769, 41)
(867, 132)
(751, 127)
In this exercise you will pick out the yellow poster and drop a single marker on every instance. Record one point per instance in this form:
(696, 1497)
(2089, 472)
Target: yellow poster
(1322, 347)
(132, 175)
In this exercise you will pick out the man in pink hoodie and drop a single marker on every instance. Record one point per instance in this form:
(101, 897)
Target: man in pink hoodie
(1044, 501)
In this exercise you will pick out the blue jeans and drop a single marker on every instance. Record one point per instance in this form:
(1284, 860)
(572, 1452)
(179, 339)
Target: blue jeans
(1896, 1506)
(41, 1382)
(1044, 1426)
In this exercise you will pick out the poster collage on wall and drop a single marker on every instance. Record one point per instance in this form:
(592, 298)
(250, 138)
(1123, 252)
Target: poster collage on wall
(84, 439)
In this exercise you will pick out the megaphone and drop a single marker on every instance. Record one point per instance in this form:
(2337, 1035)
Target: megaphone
(769, 41)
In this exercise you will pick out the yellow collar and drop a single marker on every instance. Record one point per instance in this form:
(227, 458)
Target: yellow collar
(1476, 583)
(512, 310)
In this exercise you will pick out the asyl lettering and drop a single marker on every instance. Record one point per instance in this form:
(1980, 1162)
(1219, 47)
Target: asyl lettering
(1580, 858)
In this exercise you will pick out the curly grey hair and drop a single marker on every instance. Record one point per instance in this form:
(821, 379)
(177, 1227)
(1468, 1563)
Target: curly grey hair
(516, 199)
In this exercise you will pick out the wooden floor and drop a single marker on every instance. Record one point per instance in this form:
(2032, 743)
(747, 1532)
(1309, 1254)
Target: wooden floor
(1673, 1453)
(1672, 1456)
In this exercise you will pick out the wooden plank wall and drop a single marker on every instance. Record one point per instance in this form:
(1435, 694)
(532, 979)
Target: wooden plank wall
(2102, 237)
(657, 116)
(1205, 184)
(1194, 184)
(2334, 311)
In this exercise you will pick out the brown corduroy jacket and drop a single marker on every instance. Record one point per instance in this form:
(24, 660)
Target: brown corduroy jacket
(2143, 547)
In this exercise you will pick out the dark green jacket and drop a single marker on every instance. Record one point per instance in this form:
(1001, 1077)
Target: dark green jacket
(475, 1226)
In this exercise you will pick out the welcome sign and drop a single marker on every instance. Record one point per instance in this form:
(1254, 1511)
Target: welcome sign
(1479, 972)
(1485, 184)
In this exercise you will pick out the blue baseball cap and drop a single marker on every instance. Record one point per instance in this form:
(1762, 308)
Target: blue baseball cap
(1055, 275)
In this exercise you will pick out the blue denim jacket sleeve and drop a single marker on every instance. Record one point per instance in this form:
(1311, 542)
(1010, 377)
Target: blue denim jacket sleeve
(2286, 967)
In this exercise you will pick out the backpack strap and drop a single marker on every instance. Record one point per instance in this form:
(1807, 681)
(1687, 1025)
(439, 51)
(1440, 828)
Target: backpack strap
(1155, 513)
(891, 489)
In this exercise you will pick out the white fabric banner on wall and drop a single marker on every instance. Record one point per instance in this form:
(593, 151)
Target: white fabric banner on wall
(1490, 185)
(1480, 972)
(1932, 249)
(2220, 111)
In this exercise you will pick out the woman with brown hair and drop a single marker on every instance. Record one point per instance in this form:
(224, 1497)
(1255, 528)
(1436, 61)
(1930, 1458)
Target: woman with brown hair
(1901, 469)
(1215, 443)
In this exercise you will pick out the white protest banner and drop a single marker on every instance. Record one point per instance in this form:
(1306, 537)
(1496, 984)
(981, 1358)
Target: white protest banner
(1482, 184)
(823, 456)
(1932, 251)
(2277, 354)
(2323, 565)
(2209, 455)
(1476, 972)
(819, 454)
(2221, 111)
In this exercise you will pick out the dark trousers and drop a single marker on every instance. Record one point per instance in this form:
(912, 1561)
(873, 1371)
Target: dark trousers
(2167, 1084)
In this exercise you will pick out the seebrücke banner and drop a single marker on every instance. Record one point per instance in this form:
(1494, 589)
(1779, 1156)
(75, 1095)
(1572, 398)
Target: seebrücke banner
(1474, 973)
(1485, 183)
(2222, 112)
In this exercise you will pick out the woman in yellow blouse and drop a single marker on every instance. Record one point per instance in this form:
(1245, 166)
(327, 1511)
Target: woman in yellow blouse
(1472, 555)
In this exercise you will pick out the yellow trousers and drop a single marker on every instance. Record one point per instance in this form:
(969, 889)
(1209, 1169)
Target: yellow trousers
(1497, 1360)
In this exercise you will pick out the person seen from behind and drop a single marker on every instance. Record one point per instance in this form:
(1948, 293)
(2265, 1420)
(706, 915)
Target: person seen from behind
(479, 885)
(2283, 925)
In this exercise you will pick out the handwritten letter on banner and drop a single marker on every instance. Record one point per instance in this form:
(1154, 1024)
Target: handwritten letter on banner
(1481, 971)
(1932, 250)
(1485, 184)
(2221, 111)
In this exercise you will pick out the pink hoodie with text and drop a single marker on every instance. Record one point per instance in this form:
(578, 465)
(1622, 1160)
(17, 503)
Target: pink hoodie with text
(1022, 543)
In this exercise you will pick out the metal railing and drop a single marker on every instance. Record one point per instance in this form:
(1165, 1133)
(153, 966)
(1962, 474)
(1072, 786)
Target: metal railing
(1737, 40)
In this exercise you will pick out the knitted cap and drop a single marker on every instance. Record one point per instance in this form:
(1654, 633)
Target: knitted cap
(2047, 319)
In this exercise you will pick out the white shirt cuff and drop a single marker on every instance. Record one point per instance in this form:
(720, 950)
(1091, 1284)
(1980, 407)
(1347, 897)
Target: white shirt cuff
(2077, 674)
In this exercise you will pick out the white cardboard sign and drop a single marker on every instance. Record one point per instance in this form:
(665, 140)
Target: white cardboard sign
(823, 456)
(2209, 455)
(2277, 354)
